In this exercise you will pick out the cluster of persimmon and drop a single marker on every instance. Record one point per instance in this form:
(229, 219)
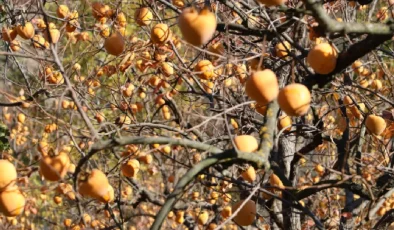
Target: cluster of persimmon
(12, 200)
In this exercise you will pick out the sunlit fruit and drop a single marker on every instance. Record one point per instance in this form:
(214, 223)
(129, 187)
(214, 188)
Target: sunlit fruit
(205, 69)
(246, 143)
(8, 35)
(143, 16)
(21, 118)
(262, 86)
(130, 168)
(234, 123)
(15, 46)
(375, 124)
(294, 99)
(57, 199)
(62, 11)
(167, 68)
(247, 214)
(262, 109)
(377, 84)
(179, 217)
(319, 169)
(39, 41)
(178, 3)
(382, 14)
(226, 212)
(105, 30)
(357, 66)
(197, 28)
(96, 185)
(8, 174)
(67, 222)
(322, 58)
(249, 174)
(282, 49)
(121, 19)
(114, 44)
(12, 202)
(203, 217)
(26, 31)
(160, 34)
(55, 35)
(54, 168)
(283, 122)
(275, 181)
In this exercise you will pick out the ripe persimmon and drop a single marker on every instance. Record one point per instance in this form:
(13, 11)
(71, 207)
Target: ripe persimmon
(12, 202)
(160, 34)
(283, 122)
(39, 41)
(322, 58)
(8, 35)
(206, 68)
(54, 168)
(246, 143)
(247, 214)
(8, 174)
(375, 124)
(203, 217)
(197, 28)
(96, 185)
(262, 86)
(249, 174)
(62, 11)
(294, 99)
(15, 45)
(130, 168)
(26, 31)
(143, 16)
(114, 44)
(282, 49)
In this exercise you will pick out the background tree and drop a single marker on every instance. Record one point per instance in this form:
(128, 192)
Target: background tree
(196, 114)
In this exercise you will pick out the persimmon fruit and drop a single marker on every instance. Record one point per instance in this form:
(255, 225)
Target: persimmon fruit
(294, 99)
(246, 143)
(197, 28)
(262, 86)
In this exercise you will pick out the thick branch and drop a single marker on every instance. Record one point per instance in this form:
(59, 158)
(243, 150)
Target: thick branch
(330, 25)
(227, 156)
(346, 58)
(106, 144)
